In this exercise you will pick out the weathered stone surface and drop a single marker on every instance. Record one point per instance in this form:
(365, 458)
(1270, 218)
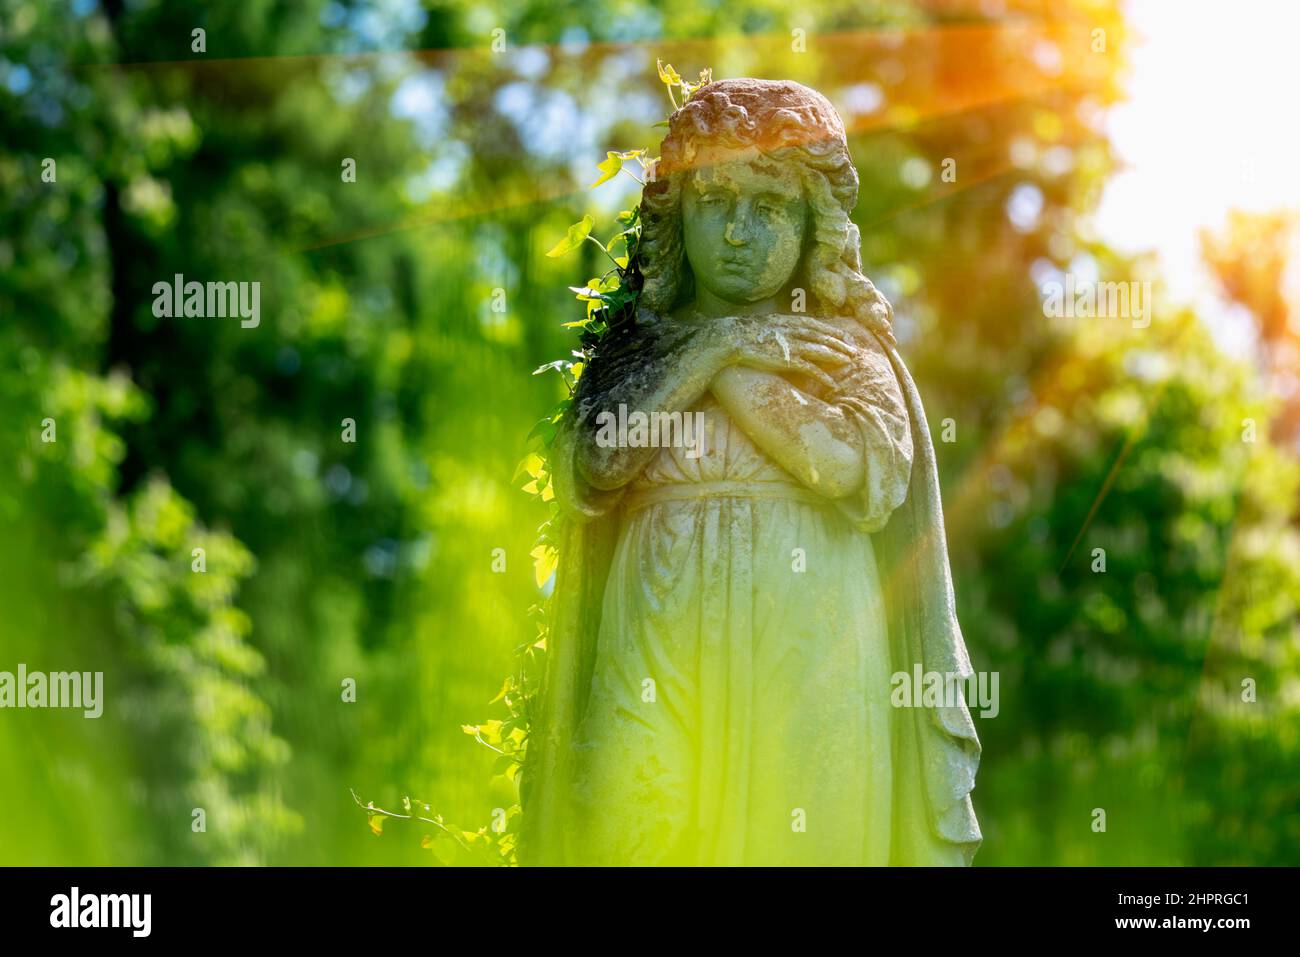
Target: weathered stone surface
(729, 612)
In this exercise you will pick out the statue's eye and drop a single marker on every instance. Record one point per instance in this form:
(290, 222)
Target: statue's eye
(769, 209)
(710, 199)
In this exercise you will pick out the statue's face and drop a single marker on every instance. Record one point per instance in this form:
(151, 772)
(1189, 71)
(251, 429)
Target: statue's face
(743, 219)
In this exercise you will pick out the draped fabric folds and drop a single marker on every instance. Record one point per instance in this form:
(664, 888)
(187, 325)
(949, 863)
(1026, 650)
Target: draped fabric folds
(932, 753)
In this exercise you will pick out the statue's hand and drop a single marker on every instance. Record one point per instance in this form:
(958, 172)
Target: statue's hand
(785, 344)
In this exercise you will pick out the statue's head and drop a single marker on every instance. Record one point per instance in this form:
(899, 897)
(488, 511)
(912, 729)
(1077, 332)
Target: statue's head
(752, 197)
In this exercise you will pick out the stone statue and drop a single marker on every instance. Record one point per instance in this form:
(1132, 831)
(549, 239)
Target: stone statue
(728, 612)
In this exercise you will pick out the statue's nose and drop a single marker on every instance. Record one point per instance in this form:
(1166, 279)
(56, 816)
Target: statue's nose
(731, 235)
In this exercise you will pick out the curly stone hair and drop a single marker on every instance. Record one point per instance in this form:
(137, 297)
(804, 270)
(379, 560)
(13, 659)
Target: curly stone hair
(789, 123)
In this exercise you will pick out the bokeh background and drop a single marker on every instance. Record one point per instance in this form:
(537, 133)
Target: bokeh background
(327, 560)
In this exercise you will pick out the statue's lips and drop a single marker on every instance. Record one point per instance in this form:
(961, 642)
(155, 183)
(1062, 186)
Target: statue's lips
(732, 264)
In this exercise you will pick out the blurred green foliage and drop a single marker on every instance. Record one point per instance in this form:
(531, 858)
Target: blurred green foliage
(328, 560)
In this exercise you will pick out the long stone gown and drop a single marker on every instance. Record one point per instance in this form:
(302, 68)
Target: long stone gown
(739, 708)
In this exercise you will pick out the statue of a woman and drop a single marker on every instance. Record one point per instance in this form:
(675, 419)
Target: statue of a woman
(728, 614)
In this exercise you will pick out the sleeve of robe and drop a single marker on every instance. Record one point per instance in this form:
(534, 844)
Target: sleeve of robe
(585, 538)
(869, 394)
(585, 534)
(936, 749)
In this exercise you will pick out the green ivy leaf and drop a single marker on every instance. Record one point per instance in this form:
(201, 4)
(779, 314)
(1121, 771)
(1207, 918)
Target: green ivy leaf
(577, 234)
(557, 365)
(608, 169)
